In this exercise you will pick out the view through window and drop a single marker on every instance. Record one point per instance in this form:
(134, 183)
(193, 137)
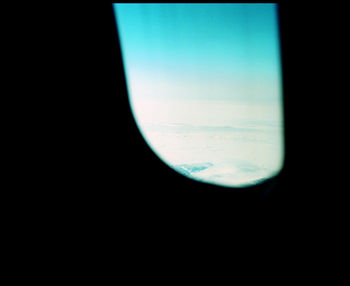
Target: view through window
(205, 87)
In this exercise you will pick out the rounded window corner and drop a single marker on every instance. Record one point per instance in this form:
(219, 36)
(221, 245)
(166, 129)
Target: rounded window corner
(206, 96)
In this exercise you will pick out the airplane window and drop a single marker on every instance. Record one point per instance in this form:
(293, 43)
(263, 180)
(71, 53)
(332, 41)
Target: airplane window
(205, 87)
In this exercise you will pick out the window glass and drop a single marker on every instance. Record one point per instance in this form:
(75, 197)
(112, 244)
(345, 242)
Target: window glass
(204, 82)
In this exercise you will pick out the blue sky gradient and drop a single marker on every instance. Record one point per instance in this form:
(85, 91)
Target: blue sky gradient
(232, 46)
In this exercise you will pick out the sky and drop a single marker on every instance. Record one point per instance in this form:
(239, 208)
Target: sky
(204, 82)
(201, 51)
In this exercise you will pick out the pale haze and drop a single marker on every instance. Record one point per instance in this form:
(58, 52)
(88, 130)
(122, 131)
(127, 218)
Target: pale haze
(204, 83)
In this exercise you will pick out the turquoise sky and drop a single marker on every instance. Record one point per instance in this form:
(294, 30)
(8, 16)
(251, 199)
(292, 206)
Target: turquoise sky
(228, 51)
